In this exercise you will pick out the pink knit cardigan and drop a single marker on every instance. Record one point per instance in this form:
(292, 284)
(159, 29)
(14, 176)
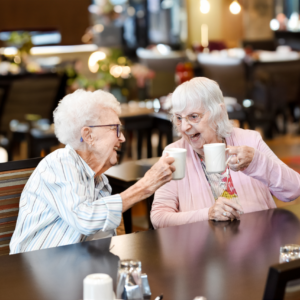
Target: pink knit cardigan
(188, 200)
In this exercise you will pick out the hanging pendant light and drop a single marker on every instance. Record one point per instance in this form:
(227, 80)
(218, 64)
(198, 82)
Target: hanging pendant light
(204, 6)
(235, 7)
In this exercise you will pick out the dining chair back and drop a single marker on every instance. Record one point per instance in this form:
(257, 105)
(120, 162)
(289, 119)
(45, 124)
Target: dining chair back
(275, 89)
(13, 177)
(164, 67)
(283, 279)
(32, 94)
(143, 126)
(228, 72)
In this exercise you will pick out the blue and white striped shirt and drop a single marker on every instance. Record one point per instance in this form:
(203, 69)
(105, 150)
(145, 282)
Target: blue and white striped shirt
(64, 203)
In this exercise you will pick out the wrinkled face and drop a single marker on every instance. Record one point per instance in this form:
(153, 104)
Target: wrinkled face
(196, 134)
(106, 143)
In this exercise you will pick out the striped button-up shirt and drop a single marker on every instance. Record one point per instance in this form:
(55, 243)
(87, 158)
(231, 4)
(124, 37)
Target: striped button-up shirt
(64, 203)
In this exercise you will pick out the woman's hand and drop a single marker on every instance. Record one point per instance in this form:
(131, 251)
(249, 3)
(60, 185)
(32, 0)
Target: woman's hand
(159, 174)
(224, 210)
(242, 158)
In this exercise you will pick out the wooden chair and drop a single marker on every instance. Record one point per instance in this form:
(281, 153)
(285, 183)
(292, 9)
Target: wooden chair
(164, 67)
(228, 72)
(275, 89)
(278, 278)
(144, 125)
(13, 177)
(31, 94)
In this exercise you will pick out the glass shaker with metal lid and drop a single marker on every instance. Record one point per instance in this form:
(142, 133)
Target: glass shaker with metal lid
(129, 284)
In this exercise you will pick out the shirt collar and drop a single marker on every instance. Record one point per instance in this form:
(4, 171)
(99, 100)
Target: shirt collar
(102, 181)
(87, 169)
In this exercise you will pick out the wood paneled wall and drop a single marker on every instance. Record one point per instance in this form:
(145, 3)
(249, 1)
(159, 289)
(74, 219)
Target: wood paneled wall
(70, 17)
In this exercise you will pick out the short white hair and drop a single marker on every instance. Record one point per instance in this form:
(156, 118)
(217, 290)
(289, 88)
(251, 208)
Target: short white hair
(203, 93)
(80, 109)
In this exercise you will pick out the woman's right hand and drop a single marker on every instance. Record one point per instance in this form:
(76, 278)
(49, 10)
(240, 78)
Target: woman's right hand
(159, 174)
(224, 210)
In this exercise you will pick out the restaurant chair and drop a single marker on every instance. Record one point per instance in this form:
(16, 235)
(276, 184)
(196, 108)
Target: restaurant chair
(164, 67)
(278, 277)
(144, 126)
(275, 88)
(36, 94)
(30, 94)
(228, 72)
(13, 177)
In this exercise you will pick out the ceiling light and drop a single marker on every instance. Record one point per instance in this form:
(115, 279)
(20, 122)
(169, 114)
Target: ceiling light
(204, 6)
(235, 7)
(274, 24)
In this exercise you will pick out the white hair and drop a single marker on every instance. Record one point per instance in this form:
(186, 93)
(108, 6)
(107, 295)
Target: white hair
(203, 93)
(80, 109)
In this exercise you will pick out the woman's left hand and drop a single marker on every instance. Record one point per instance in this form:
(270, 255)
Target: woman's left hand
(242, 158)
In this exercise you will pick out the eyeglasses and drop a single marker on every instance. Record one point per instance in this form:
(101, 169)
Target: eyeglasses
(118, 126)
(191, 119)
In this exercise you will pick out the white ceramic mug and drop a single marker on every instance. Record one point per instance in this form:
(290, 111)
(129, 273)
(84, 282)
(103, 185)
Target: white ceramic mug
(98, 286)
(180, 158)
(215, 157)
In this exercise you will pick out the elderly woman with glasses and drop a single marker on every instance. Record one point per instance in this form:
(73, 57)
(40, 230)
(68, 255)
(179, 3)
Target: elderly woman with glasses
(255, 173)
(67, 199)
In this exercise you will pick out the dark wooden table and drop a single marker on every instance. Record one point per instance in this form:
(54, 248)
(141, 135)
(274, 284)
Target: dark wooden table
(219, 260)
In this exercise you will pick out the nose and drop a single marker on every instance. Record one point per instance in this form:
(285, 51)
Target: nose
(185, 126)
(122, 138)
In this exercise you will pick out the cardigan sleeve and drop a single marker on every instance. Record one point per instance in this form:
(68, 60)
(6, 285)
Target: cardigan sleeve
(165, 209)
(282, 181)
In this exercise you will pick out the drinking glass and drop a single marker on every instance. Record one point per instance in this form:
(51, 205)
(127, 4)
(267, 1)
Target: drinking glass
(289, 252)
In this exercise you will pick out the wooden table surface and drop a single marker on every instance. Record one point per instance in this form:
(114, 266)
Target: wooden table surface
(218, 260)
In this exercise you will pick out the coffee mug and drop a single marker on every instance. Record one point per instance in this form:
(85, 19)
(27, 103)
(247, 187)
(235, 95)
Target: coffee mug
(98, 286)
(180, 158)
(215, 160)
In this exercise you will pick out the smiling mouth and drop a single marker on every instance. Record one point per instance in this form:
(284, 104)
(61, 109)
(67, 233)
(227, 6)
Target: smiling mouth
(193, 136)
(118, 150)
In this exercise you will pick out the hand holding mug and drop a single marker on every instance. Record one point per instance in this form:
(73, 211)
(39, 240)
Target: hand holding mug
(179, 155)
(241, 158)
(160, 173)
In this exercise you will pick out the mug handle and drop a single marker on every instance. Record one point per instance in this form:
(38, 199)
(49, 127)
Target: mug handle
(227, 161)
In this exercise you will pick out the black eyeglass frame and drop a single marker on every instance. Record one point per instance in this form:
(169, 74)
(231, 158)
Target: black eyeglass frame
(119, 129)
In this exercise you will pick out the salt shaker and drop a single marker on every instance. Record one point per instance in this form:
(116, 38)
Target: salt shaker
(129, 284)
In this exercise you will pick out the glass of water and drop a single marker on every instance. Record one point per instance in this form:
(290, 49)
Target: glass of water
(289, 252)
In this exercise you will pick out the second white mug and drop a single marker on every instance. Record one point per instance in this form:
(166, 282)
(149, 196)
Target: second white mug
(180, 158)
(215, 157)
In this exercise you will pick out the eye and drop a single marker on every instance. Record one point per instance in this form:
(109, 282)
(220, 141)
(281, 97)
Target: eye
(178, 118)
(194, 118)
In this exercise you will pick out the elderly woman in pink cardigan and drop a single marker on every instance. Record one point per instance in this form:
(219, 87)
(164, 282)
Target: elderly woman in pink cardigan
(254, 172)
